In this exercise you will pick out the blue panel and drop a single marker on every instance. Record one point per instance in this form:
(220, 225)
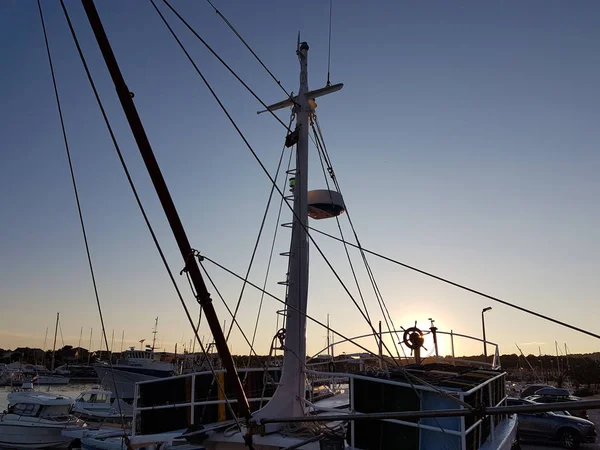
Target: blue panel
(437, 439)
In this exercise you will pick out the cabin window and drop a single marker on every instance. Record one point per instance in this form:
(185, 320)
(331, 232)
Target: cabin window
(101, 398)
(56, 411)
(25, 409)
(87, 397)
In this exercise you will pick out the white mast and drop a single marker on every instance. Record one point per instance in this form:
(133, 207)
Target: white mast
(54, 346)
(288, 399)
(79, 345)
(90, 349)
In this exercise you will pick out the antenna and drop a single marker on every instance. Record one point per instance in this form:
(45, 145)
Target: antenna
(154, 331)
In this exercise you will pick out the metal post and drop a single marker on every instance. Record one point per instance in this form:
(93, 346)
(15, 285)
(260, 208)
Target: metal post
(483, 328)
(166, 201)
(380, 346)
(452, 345)
(90, 349)
(433, 330)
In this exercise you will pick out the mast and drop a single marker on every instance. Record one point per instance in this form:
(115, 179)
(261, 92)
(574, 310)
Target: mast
(191, 265)
(112, 340)
(287, 399)
(122, 339)
(46, 339)
(90, 349)
(79, 344)
(289, 396)
(154, 333)
(54, 345)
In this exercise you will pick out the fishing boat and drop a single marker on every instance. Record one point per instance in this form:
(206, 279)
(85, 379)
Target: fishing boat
(98, 405)
(133, 366)
(397, 405)
(36, 420)
(185, 402)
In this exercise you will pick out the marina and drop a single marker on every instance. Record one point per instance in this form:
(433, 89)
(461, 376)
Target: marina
(383, 381)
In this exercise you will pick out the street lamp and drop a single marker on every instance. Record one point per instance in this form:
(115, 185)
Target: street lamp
(483, 327)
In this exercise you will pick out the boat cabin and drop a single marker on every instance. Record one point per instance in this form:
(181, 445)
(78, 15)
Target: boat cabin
(94, 399)
(39, 405)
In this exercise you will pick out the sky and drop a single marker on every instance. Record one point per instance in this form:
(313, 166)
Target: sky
(464, 141)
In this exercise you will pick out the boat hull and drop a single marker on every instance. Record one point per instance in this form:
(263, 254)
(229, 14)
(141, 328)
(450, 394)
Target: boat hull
(121, 382)
(43, 380)
(32, 435)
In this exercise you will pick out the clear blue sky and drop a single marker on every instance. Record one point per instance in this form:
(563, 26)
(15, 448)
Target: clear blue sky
(465, 141)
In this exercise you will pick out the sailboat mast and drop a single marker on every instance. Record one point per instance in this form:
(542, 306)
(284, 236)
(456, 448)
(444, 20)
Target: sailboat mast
(191, 266)
(90, 349)
(79, 345)
(46, 339)
(54, 345)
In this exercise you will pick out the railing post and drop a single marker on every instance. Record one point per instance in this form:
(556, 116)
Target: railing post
(352, 425)
(193, 400)
(136, 398)
(452, 344)
(491, 405)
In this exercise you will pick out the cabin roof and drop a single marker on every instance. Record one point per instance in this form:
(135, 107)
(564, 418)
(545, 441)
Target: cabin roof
(39, 398)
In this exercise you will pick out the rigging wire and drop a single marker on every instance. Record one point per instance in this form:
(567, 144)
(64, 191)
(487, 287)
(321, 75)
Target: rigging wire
(462, 286)
(139, 203)
(250, 148)
(319, 142)
(215, 54)
(322, 152)
(345, 338)
(232, 28)
(61, 335)
(262, 295)
(380, 300)
(234, 320)
(329, 52)
(76, 192)
(321, 157)
(261, 228)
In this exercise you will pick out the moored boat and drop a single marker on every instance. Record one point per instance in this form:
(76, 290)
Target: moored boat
(36, 420)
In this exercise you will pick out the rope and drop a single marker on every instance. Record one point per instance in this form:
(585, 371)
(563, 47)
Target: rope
(137, 198)
(262, 295)
(260, 230)
(463, 287)
(380, 300)
(329, 52)
(322, 152)
(232, 28)
(76, 192)
(347, 339)
(210, 49)
(243, 137)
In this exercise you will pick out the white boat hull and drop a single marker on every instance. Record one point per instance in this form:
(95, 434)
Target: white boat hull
(123, 384)
(32, 435)
(43, 380)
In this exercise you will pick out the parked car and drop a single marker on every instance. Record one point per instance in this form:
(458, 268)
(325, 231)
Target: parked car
(549, 427)
(531, 389)
(559, 399)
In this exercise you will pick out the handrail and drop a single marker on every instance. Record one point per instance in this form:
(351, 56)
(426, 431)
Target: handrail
(446, 333)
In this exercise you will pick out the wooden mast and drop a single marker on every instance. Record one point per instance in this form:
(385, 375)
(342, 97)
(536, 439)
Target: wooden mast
(166, 201)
